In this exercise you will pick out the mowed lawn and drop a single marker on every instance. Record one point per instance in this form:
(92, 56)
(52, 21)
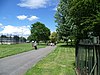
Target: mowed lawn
(8, 50)
(60, 62)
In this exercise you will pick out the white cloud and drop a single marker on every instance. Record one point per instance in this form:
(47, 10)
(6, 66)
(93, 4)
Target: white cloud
(1, 25)
(33, 4)
(55, 8)
(16, 30)
(21, 17)
(32, 18)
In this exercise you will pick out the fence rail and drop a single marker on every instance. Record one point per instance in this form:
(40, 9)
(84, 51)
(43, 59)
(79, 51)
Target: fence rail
(88, 59)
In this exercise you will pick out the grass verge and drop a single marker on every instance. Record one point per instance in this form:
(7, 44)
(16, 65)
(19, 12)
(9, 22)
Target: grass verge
(59, 62)
(8, 50)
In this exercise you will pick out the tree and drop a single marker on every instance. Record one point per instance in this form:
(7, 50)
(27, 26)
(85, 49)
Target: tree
(3, 36)
(65, 27)
(53, 37)
(39, 32)
(29, 38)
(86, 16)
(78, 18)
(16, 38)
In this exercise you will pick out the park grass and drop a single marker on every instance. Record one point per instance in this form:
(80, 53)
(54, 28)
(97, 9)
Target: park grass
(8, 50)
(60, 62)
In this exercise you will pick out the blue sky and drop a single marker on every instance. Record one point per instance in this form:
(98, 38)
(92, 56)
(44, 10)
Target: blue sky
(16, 16)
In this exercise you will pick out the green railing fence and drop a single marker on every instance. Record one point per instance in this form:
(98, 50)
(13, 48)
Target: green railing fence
(88, 58)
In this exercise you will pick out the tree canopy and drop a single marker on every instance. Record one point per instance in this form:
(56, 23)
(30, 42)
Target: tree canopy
(78, 18)
(53, 37)
(39, 32)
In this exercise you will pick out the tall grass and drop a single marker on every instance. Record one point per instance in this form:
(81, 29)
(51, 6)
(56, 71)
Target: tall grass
(8, 50)
(59, 62)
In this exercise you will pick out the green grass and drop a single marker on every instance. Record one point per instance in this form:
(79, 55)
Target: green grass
(8, 50)
(59, 62)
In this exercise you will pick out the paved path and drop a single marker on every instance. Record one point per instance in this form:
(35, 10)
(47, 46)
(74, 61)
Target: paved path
(20, 63)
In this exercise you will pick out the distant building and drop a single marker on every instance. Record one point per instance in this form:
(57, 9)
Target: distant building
(8, 41)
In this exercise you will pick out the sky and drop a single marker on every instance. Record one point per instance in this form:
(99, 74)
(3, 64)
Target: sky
(16, 16)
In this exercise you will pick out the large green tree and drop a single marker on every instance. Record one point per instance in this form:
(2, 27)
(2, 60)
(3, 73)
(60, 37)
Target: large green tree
(53, 37)
(65, 27)
(78, 18)
(39, 32)
(86, 16)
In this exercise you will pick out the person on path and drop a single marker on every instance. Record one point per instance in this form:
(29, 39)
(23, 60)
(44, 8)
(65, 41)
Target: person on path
(34, 44)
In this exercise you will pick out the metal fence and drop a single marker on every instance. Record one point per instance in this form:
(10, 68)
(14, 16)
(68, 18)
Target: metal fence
(88, 58)
(11, 40)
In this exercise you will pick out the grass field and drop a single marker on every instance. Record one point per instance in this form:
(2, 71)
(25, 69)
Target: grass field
(59, 62)
(8, 50)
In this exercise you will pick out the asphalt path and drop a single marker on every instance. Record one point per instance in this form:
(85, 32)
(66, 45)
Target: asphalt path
(20, 63)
